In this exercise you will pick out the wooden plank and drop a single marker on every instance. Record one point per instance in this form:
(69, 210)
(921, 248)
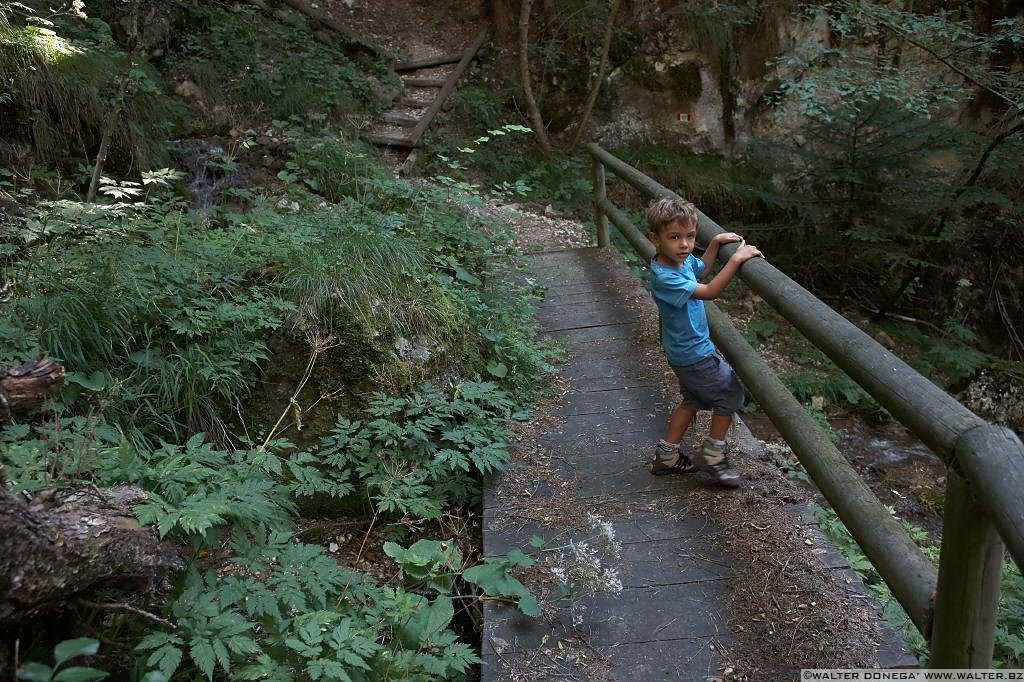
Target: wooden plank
(600, 193)
(427, 62)
(449, 87)
(425, 82)
(992, 458)
(415, 103)
(409, 163)
(398, 119)
(392, 141)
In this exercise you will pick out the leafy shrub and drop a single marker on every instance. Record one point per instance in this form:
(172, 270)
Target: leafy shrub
(62, 653)
(65, 71)
(1009, 645)
(288, 609)
(947, 359)
(243, 61)
(833, 385)
(336, 167)
(422, 454)
(1009, 641)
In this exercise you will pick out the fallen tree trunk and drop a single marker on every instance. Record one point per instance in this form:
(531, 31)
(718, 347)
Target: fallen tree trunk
(25, 387)
(49, 556)
(52, 550)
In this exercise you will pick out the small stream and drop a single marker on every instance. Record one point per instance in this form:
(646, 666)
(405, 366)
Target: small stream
(207, 167)
(901, 470)
(882, 446)
(876, 447)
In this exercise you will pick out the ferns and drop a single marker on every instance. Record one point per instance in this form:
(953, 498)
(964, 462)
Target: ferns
(423, 453)
(162, 318)
(278, 606)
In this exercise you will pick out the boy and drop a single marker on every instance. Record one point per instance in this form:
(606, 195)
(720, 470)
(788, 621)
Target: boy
(705, 380)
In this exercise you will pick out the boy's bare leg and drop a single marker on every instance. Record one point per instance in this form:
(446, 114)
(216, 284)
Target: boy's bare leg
(668, 458)
(679, 422)
(720, 426)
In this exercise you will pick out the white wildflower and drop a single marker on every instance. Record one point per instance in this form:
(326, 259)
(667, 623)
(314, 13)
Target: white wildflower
(605, 536)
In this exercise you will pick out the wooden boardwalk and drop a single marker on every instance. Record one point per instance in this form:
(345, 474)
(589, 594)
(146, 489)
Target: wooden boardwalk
(670, 620)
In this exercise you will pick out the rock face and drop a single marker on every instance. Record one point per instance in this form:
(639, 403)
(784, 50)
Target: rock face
(699, 83)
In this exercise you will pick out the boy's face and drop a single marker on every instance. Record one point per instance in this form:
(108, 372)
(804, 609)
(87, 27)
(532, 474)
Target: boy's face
(675, 242)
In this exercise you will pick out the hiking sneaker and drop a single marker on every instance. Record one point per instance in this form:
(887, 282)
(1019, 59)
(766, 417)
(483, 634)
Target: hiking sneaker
(670, 460)
(713, 460)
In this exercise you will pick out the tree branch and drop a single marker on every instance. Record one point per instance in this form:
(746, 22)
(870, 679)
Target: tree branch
(602, 66)
(898, 31)
(130, 609)
(536, 121)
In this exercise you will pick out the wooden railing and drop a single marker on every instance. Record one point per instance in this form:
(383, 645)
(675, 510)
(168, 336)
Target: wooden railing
(954, 606)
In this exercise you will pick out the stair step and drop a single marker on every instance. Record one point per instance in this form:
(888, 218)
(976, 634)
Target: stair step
(393, 141)
(415, 103)
(414, 64)
(424, 82)
(398, 119)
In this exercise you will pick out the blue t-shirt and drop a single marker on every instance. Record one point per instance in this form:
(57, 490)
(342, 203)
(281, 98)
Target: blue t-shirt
(684, 325)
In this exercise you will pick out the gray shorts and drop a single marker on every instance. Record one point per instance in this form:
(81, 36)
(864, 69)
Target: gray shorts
(710, 384)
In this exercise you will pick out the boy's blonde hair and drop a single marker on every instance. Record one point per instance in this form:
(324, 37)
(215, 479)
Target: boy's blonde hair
(667, 210)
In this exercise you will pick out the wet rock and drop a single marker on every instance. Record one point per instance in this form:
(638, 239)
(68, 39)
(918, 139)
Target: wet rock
(187, 90)
(885, 340)
(416, 351)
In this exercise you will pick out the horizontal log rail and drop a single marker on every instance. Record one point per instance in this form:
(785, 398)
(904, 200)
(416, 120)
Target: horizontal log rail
(955, 606)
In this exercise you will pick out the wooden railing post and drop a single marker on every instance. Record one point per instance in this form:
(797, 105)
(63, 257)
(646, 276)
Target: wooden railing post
(967, 592)
(600, 194)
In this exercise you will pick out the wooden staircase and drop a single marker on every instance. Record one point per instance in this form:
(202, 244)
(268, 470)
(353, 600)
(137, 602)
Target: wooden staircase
(405, 125)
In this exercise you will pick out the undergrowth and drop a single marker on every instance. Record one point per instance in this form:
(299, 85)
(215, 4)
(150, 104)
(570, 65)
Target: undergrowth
(252, 67)
(163, 318)
(1009, 636)
(168, 321)
(59, 74)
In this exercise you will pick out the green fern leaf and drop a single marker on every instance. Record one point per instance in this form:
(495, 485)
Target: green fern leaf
(167, 658)
(203, 656)
(327, 669)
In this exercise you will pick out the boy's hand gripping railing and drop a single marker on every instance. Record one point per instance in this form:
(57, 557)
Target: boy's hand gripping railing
(955, 606)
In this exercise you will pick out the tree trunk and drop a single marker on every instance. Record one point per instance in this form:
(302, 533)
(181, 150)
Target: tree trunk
(536, 122)
(500, 15)
(26, 386)
(49, 556)
(108, 132)
(51, 550)
(602, 66)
